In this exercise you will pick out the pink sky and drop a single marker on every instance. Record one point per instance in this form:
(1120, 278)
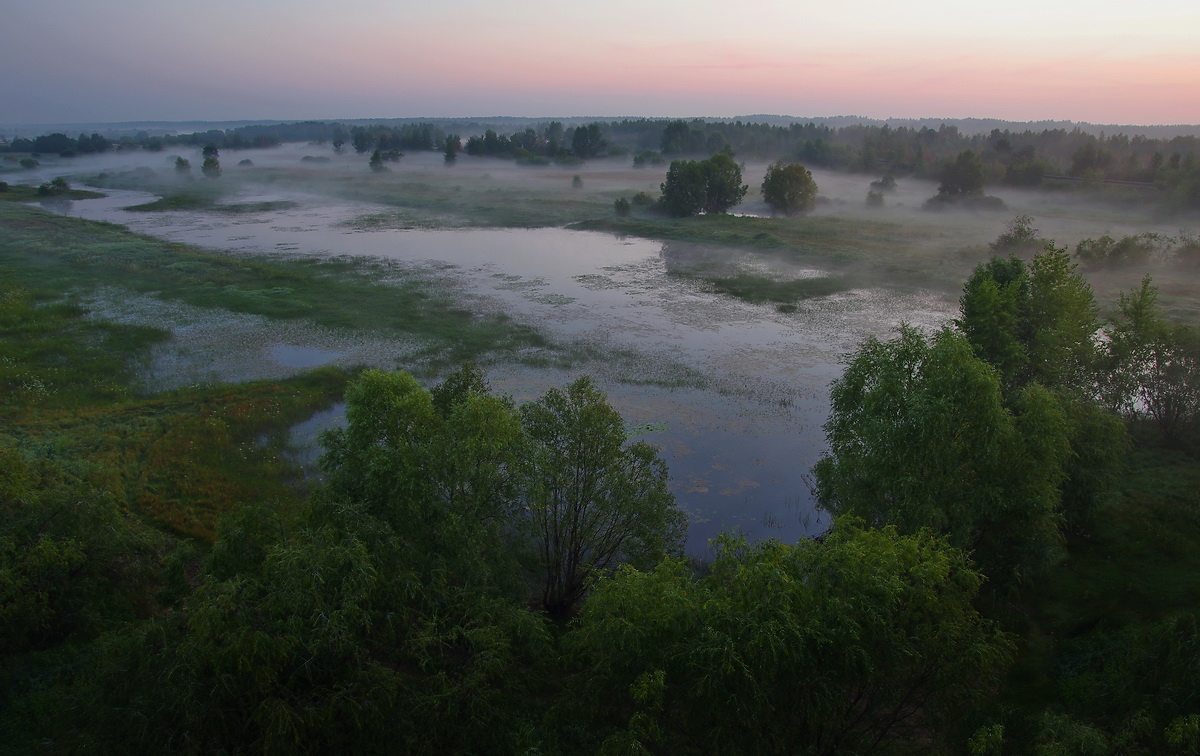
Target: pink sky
(82, 60)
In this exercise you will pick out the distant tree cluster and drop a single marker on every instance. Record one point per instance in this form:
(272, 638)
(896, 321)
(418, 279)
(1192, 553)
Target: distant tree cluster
(422, 137)
(551, 142)
(1165, 171)
(789, 189)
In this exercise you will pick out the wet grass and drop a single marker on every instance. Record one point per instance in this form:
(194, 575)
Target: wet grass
(180, 459)
(53, 356)
(199, 202)
(22, 193)
(49, 254)
(874, 252)
(471, 201)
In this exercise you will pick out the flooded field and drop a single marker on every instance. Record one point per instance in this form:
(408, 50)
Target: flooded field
(734, 394)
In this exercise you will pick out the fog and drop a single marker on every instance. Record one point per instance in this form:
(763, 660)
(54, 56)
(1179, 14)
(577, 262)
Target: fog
(740, 389)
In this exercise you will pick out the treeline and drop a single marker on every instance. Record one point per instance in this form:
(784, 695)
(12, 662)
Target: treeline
(1024, 159)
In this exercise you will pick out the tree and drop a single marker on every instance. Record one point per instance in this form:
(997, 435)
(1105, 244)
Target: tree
(1033, 323)
(1153, 366)
(183, 167)
(586, 141)
(723, 183)
(1062, 323)
(437, 466)
(920, 437)
(1019, 235)
(210, 151)
(963, 176)
(211, 167)
(994, 308)
(864, 642)
(595, 501)
(683, 191)
(711, 186)
(789, 188)
(451, 149)
(376, 162)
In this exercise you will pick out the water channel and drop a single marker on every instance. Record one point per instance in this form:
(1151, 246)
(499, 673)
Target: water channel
(739, 431)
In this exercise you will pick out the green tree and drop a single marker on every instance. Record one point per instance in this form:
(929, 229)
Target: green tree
(595, 501)
(1033, 323)
(683, 191)
(376, 162)
(587, 141)
(723, 187)
(1019, 235)
(920, 437)
(183, 167)
(1153, 368)
(864, 642)
(710, 186)
(963, 176)
(789, 188)
(1062, 323)
(993, 313)
(211, 167)
(435, 466)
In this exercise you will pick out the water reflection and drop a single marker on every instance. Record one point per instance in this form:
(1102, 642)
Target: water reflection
(740, 389)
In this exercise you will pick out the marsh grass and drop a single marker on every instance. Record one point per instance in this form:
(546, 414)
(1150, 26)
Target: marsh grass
(183, 458)
(22, 193)
(453, 202)
(198, 202)
(760, 289)
(51, 254)
(53, 356)
(179, 459)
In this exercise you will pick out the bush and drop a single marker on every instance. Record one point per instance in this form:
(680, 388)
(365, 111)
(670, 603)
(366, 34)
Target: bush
(54, 188)
(1020, 234)
(621, 206)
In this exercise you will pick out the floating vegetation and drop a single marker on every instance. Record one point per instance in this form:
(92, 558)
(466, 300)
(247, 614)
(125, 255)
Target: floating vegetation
(395, 220)
(633, 430)
(551, 299)
(596, 282)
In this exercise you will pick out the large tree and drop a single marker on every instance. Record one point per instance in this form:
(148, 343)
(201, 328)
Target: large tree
(920, 437)
(863, 642)
(595, 500)
(1033, 322)
(710, 186)
(789, 188)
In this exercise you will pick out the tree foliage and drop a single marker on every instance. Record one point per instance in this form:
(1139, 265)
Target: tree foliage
(594, 500)
(710, 186)
(864, 642)
(1153, 367)
(920, 437)
(789, 188)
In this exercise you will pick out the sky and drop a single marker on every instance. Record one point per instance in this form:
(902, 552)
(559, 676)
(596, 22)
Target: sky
(97, 61)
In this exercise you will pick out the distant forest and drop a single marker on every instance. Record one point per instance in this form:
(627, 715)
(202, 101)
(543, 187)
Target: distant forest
(1046, 158)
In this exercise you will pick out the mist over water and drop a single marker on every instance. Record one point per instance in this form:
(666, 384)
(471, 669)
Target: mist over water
(736, 392)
